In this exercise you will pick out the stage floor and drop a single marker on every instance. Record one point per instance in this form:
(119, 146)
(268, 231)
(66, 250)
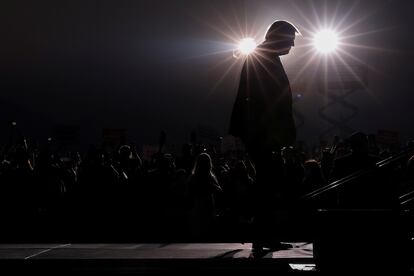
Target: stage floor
(299, 251)
(152, 258)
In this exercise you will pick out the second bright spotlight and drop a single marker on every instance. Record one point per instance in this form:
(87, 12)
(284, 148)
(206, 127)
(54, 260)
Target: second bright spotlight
(326, 41)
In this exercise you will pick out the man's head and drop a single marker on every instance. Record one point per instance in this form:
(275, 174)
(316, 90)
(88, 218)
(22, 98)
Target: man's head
(280, 37)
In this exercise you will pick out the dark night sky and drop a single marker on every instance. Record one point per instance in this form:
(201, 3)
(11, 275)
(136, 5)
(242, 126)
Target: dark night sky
(149, 65)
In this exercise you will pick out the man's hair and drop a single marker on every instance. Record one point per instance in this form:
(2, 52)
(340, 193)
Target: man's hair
(281, 28)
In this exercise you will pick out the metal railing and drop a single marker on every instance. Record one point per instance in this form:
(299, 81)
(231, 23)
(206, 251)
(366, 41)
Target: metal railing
(348, 179)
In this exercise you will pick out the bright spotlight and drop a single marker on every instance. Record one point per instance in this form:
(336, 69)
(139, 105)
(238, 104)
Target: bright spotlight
(247, 46)
(326, 41)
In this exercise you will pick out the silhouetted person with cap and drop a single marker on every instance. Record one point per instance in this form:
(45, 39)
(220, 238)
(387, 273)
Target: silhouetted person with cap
(262, 118)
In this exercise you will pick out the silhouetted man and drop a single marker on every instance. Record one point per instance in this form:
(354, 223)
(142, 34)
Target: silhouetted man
(262, 118)
(262, 113)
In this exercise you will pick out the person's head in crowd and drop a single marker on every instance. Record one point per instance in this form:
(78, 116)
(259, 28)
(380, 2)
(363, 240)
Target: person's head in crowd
(221, 164)
(203, 165)
(124, 153)
(312, 168)
(240, 169)
(22, 157)
(166, 163)
(289, 155)
(358, 142)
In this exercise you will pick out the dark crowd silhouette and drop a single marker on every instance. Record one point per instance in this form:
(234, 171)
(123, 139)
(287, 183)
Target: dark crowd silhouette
(201, 194)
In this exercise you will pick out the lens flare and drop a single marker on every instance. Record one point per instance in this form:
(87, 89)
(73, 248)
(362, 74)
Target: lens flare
(326, 41)
(247, 46)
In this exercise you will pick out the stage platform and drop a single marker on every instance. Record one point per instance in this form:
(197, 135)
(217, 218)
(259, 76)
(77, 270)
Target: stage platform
(153, 259)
